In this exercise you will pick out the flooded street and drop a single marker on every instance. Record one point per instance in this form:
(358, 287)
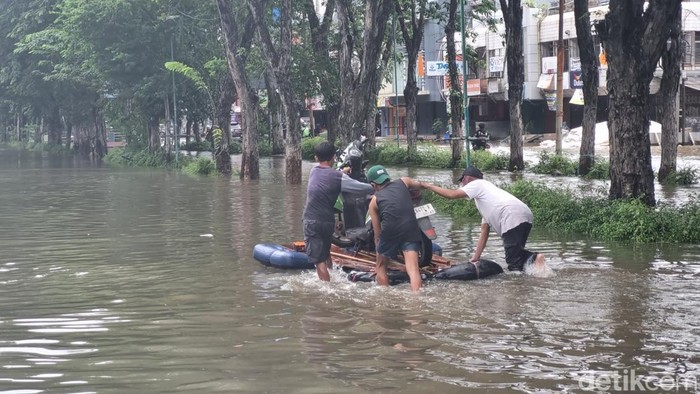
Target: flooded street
(143, 281)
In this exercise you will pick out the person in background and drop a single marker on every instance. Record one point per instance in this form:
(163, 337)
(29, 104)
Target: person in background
(509, 217)
(325, 184)
(395, 224)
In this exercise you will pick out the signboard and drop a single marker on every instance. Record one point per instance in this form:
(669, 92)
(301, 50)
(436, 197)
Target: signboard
(577, 98)
(496, 64)
(473, 87)
(551, 98)
(575, 64)
(439, 68)
(549, 65)
(546, 82)
(575, 80)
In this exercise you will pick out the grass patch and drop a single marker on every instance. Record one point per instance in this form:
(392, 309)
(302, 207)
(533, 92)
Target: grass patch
(200, 166)
(593, 217)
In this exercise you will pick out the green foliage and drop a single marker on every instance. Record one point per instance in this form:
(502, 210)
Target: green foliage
(235, 148)
(487, 161)
(218, 137)
(594, 217)
(125, 157)
(555, 165)
(193, 146)
(200, 166)
(433, 157)
(388, 154)
(265, 149)
(684, 176)
(600, 169)
(307, 147)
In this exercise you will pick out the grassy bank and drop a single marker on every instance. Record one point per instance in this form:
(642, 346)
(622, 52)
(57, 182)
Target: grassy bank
(124, 157)
(559, 211)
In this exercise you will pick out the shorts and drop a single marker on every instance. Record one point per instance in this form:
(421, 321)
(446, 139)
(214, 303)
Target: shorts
(391, 248)
(317, 237)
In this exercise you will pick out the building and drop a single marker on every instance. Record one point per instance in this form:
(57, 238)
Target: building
(487, 86)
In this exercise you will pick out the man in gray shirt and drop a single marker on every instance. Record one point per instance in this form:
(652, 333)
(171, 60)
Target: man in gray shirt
(325, 185)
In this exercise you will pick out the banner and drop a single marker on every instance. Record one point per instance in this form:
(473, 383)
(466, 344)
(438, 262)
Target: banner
(473, 87)
(439, 68)
(496, 64)
(577, 98)
(549, 65)
(575, 80)
(551, 98)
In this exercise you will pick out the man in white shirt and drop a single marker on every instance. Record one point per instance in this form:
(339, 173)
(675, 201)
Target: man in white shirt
(509, 217)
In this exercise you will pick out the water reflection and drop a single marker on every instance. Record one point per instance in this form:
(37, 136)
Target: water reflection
(142, 281)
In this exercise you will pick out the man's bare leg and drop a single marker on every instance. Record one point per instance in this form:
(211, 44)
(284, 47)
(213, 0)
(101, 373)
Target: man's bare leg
(411, 261)
(382, 277)
(322, 270)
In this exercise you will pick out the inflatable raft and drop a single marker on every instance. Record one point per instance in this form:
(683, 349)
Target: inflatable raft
(360, 264)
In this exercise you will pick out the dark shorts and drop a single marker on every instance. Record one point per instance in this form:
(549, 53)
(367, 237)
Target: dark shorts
(317, 237)
(392, 247)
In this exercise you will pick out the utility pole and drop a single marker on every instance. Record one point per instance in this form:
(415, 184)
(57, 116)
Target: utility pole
(465, 97)
(560, 77)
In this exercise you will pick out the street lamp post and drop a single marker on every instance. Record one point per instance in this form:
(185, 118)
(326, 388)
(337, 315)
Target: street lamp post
(396, 88)
(176, 137)
(465, 97)
(681, 123)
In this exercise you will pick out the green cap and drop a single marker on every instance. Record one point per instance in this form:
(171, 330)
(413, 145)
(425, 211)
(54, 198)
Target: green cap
(377, 174)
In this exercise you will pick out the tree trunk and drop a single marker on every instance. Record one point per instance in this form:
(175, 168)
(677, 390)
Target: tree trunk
(667, 103)
(153, 135)
(250, 161)
(54, 126)
(328, 79)
(412, 37)
(358, 93)
(279, 60)
(456, 97)
(274, 107)
(227, 95)
(513, 19)
(633, 38)
(188, 131)
(589, 74)
(100, 135)
(169, 125)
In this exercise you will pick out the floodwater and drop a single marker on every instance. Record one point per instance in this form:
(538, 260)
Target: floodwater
(138, 281)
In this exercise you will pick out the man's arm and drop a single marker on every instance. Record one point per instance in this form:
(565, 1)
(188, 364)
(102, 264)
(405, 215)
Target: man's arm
(481, 243)
(376, 221)
(447, 193)
(411, 183)
(349, 185)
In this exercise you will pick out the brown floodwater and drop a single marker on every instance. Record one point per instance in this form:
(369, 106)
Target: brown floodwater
(143, 281)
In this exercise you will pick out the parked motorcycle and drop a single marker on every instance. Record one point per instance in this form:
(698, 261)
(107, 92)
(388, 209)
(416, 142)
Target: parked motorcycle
(480, 139)
(353, 226)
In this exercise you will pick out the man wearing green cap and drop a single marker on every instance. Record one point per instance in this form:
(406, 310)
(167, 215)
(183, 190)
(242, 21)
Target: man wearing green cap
(394, 223)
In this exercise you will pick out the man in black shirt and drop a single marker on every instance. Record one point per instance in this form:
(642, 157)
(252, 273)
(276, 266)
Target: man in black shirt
(395, 224)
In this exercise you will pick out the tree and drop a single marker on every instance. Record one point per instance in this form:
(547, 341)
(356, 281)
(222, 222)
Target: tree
(666, 103)
(411, 17)
(236, 56)
(325, 67)
(589, 74)
(634, 36)
(358, 89)
(513, 20)
(279, 61)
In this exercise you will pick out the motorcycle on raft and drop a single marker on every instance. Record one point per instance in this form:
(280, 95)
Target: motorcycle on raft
(353, 225)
